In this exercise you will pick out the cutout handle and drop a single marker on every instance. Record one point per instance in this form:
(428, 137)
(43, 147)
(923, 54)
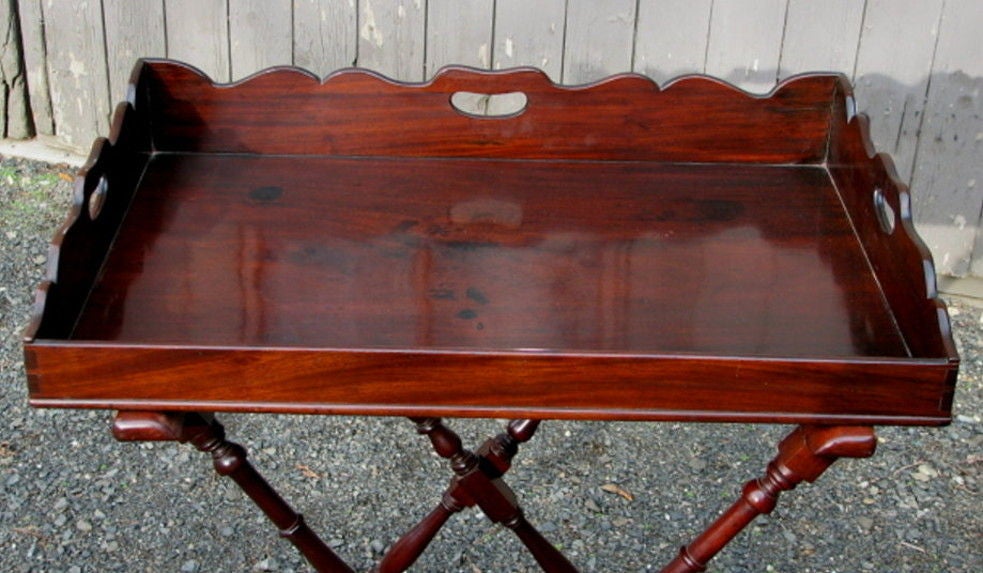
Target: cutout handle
(97, 198)
(489, 105)
(884, 211)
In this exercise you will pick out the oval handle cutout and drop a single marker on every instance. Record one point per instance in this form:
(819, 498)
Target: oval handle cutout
(97, 198)
(489, 106)
(885, 214)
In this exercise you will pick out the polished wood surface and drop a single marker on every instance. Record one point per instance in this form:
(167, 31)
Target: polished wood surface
(803, 455)
(355, 112)
(614, 251)
(207, 435)
(489, 255)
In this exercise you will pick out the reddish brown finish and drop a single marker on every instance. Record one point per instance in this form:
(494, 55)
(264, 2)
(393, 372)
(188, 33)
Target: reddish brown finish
(802, 456)
(494, 460)
(613, 251)
(207, 435)
(599, 289)
(491, 494)
(354, 112)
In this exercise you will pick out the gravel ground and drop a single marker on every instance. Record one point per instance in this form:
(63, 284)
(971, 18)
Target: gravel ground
(72, 499)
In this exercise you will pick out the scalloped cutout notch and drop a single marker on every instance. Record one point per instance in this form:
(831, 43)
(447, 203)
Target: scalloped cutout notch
(885, 214)
(489, 106)
(97, 198)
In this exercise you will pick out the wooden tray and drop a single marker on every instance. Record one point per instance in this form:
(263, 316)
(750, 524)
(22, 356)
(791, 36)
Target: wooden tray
(610, 251)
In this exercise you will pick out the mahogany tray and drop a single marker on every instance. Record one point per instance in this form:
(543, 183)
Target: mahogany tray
(610, 251)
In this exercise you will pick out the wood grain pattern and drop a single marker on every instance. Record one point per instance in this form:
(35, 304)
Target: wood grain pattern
(392, 38)
(77, 70)
(443, 262)
(260, 35)
(948, 170)
(81, 244)
(540, 385)
(803, 456)
(859, 172)
(530, 38)
(341, 117)
(671, 38)
(198, 33)
(891, 76)
(820, 36)
(134, 30)
(459, 32)
(376, 284)
(745, 42)
(32, 28)
(325, 35)
(599, 37)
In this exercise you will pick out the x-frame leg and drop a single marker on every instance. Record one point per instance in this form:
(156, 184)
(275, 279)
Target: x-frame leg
(802, 456)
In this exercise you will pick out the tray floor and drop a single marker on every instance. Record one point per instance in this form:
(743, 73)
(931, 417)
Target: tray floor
(490, 255)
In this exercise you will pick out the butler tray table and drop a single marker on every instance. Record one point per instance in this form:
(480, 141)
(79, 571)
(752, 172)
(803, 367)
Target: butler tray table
(615, 251)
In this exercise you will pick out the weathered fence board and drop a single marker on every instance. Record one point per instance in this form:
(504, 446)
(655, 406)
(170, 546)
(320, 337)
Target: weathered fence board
(198, 33)
(915, 63)
(821, 36)
(599, 39)
(745, 42)
(15, 117)
(391, 37)
(325, 34)
(36, 64)
(894, 61)
(134, 29)
(459, 32)
(260, 35)
(526, 37)
(672, 37)
(949, 163)
(77, 69)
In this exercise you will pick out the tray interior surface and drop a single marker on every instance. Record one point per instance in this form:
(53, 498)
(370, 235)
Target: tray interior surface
(490, 255)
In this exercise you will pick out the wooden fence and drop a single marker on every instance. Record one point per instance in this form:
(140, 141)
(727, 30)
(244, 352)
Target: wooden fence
(916, 64)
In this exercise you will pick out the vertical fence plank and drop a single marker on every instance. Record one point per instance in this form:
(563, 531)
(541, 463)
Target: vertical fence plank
(599, 39)
(893, 64)
(134, 29)
(671, 38)
(77, 71)
(459, 32)
(260, 35)
(198, 34)
(15, 112)
(821, 36)
(947, 184)
(530, 37)
(35, 61)
(391, 37)
(745, 42)
(325, 34)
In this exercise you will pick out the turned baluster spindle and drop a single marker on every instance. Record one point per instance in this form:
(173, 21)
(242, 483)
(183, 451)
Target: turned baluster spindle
(414, 542)
(802, 456)
(207, 435)
(493, 496)
(498, 453)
